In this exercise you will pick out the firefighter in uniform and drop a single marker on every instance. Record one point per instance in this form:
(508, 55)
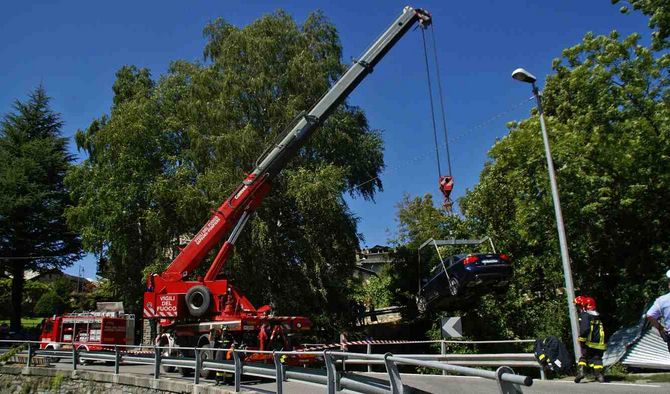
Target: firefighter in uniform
(222, 345)
(591, 339)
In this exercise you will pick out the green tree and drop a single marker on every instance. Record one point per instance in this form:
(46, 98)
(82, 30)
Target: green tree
(51, 303)
(56, 298)
(659, 19)
(32, 292)
(172, 149)
(607, 107)
(33, 163)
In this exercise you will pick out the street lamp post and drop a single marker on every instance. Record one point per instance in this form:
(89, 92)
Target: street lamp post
(524, 76)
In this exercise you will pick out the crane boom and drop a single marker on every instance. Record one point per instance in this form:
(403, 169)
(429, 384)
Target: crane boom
(222, 299)
(275, 159)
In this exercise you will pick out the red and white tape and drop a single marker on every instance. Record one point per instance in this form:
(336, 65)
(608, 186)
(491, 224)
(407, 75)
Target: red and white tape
(366, 342)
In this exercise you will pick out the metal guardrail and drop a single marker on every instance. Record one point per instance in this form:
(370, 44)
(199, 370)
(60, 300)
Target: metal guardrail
(329, 376)
(525, 360)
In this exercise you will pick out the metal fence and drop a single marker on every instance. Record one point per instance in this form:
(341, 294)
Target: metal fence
(330, 376)
(524, 360)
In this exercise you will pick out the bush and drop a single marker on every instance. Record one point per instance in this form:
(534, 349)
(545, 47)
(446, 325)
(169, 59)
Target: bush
(51, 303)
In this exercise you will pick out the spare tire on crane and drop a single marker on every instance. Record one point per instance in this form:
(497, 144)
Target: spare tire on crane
(198, 300)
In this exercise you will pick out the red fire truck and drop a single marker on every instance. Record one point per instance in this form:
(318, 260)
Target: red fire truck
(88, 330)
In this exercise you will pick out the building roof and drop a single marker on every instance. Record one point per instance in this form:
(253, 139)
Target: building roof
(36, 275)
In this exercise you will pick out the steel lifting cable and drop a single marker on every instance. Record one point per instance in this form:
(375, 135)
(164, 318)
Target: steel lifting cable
(453, 139)
(432, 109)
(441, 96)
(446, 182)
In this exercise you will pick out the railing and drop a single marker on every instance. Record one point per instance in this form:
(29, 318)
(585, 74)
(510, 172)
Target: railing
(329, 376)
(525, 360)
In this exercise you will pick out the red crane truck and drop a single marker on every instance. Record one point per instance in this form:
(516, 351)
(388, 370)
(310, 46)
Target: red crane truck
(188, 309)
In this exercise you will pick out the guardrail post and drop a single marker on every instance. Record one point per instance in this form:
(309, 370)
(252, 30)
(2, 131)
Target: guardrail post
(157, 362)
(331, 372)
(238, 370)
(279, 373)
(117, 359)
(74, 358)
(506, 387)
(30, 354)
(443, 352)
(196, 374)
(369, 351)
(543, 376)
(394, 375)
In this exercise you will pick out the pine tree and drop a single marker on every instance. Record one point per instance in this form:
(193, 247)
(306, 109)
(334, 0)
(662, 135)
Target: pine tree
(33, 162)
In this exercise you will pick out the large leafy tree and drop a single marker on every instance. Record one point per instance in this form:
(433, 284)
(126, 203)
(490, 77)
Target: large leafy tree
(172, 149)
(608, 109)
(33, 162)
(659, 18)
(607, 105)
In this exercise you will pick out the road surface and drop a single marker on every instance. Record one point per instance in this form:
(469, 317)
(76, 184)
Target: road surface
(423, 383)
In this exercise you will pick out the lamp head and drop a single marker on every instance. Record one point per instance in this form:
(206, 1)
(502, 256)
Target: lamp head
(524, 76)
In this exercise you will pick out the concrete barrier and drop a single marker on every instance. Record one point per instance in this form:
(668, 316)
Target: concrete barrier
(18, 379)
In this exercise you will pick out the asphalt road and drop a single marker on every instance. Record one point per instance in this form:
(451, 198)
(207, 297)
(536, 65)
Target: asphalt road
(424, 383)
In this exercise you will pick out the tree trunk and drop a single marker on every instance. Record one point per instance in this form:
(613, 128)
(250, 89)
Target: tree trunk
(17, 295)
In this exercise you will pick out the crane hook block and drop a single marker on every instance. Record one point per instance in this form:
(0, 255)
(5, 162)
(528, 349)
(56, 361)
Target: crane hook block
(446, 186)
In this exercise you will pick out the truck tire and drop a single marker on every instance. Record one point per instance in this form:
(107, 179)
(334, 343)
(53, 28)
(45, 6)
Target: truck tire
(167, 353)
(207, 354)
(51, 359)
(183, 371)
(84, 362)
(198, 299)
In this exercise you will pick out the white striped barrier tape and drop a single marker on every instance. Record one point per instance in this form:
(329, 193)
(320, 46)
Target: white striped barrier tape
(365, 342)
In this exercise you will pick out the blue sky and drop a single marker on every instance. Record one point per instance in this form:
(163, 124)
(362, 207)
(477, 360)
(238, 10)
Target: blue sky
(75, 47)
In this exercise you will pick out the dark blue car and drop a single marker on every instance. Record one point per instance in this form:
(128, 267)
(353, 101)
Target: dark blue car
(465, 275)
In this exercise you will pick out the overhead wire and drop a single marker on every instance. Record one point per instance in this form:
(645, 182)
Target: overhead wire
(26, 257)
(441, 96)
(455, 138)
(432, 109)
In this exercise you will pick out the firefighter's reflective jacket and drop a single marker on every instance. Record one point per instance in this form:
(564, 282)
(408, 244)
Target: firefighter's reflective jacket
(591, 331)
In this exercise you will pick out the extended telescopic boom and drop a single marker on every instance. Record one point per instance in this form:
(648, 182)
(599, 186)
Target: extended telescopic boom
(235, 211)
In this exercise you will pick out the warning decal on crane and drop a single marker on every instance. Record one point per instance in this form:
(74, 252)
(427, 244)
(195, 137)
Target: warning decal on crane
(167, 305)
(205, 230)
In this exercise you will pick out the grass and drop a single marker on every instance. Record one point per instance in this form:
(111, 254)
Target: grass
(648, 378)
(26, 322)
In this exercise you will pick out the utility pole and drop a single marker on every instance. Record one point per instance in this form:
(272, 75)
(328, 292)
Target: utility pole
(524, 76)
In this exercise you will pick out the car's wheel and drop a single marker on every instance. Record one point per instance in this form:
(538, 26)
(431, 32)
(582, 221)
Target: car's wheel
(206, 354)
(453, 286)
(421, 304)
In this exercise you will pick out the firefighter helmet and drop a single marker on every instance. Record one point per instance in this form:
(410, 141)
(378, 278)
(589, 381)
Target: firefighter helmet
(586, 302)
